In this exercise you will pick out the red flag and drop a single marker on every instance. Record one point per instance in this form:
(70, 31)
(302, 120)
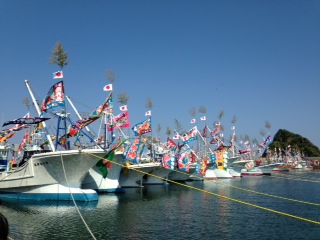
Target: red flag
(171, 143)
(204, 134)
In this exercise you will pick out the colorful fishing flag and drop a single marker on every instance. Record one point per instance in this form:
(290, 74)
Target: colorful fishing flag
(103, 164)
(100, 110)
(119, 121)
(107, 87)
(170, 143)
(168, 160)
(214, 160)
(58, 74)
(183, 161)
(132, 152)
(54, 98)
(23, 142)
(205, 132)
(215, 131)
(34, 120)
(201, 166)
(143, 127)
(191, 135)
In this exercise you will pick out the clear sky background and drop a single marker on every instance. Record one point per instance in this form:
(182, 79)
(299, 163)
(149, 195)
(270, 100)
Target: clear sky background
(256, 60)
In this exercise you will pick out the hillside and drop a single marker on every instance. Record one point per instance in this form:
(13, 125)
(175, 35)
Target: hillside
(284, 138)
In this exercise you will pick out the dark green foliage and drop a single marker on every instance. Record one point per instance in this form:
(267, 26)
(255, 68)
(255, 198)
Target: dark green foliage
(284, 138)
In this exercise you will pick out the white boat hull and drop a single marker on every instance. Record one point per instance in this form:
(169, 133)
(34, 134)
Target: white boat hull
(139, 175)
(94, 179)
(222, 173)
(45, 175)
(180, 176)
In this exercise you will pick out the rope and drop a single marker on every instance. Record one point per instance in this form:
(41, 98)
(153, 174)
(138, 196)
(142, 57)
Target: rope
(74, 202)
(221, 196)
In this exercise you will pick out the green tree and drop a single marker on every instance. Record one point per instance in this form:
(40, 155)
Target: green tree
(26, 102)
(179, 127)
(202, 110)
(110, 76)
(149, 103)
(193, 112)
(59, 56)
(169, 131)
(123, 98)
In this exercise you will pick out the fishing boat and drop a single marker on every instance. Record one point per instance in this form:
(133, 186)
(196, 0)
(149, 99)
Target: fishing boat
(94, 178)
(142, 174)
(5, 149)
(144, 167)
(51, 175)
(44, 172)
(110, 184)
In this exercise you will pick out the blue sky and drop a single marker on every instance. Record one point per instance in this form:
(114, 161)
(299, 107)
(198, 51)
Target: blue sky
(256, 60)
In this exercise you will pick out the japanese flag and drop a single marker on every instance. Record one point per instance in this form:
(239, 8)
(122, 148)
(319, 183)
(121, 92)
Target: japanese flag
(176, 137)
(58, 74)
(193, 121)
(148, 113)
(124, 108)
(203, 118)
(107, 87)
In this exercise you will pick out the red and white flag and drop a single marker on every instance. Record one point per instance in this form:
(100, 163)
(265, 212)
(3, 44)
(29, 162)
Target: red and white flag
(233, 128)
(148, 113)
(124, 108)
(217, 123)
(176, 137)
(193, 121)
(203, 118)
(107, 87)
(58, 74)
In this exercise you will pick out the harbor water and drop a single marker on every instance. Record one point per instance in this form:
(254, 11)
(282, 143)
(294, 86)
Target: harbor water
(284, 205)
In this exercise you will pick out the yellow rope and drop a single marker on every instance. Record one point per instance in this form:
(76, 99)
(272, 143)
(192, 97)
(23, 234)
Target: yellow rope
(221, 196)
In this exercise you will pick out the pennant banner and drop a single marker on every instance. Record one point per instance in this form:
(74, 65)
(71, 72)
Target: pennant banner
(183, 161)
(54, 98)
(142, 128)
(190, 135)
(119, 121)
(21, 121)
(132, 153)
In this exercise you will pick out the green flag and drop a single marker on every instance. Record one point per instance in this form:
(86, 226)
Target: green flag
(109, 156)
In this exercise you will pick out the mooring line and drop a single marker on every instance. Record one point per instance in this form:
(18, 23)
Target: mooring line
(74, 202)
(220, 196)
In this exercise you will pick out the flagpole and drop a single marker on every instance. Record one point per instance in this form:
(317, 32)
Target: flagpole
(77, 113)
(39, 113)
(186, 144)
(206, 144)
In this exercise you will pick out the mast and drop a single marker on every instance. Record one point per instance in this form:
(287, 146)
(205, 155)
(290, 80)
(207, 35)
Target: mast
(39, 113)
(79, 116)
